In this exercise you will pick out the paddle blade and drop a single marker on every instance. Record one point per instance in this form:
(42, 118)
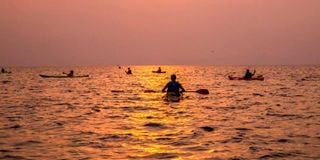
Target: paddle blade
(117, 91)
(149, 91)
(202, 91)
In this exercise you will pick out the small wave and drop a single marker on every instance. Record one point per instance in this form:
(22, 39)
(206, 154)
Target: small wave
(237, 158)
(15, 126)
(182, 143)
(197, 148)
(274, 155)
(5, 82)
(91, 144)
(153, 124)
(236, 139)
(258, 94)
(30, 142)
(295, 116)
(243, 129)
(164, 139)
(161, 156)
(5, 151)
(136, 108)
(63, 104)
(214, 158)
(13, 157)
(208, 128)
(114, 137)
(254, 148)
(310, 78)
(283, 140)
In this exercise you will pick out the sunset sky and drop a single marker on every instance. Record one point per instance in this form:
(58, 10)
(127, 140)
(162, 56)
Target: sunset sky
(111, 32)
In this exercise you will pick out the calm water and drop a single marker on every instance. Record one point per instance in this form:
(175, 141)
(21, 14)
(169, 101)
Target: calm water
(108, 116)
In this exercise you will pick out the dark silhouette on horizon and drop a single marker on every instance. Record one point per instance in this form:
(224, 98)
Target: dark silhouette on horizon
(70, 74)
(129, 71)
(173, 87)
(248, 74)
(4, 71)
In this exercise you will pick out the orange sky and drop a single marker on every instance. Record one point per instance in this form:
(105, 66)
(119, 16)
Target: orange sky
(108, 32)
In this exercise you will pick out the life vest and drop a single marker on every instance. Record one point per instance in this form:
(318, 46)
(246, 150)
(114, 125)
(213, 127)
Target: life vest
(173, 87)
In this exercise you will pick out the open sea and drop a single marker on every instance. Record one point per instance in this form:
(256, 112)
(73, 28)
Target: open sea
(109, 116)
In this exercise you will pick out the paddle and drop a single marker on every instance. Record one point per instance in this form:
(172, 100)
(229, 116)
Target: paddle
(200, 91)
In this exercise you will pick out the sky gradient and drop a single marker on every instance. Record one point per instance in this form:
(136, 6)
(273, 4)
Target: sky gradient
(190, 32)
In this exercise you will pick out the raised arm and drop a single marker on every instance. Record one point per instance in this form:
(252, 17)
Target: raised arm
(182, 89)
(165, 87)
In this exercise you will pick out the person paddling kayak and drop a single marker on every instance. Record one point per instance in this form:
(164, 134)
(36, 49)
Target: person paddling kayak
(173, 86)
(248, 74)
(70, 74)
(159, 71)
(129, 71)
(4, 71)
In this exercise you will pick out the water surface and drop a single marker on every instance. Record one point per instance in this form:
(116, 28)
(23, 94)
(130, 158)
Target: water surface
(108, 116)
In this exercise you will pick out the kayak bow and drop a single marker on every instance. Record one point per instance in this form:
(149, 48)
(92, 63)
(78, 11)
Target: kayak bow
(62, 76)
(172, 97)
(259, 78)
(159, 72)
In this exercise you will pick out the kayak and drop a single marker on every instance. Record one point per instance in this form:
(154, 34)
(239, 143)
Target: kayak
(62, 76)
(172, 97)
(5, 72)
(259, 78)
(159, 72)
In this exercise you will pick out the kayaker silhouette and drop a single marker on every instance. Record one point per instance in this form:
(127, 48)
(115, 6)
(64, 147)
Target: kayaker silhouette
(129, 71)
(70, 74)
(248, 74)
(159, 70)
(173, 87)
(4, 71)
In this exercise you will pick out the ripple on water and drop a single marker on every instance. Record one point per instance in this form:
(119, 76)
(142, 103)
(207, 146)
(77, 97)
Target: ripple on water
(15, 126)
(29, 142)
(197, 148)
(137, 108)
(124, 121)
(13, 157)
(154, 125)
(161, 156)
(115, 137)
(208, 128)
(274, 155)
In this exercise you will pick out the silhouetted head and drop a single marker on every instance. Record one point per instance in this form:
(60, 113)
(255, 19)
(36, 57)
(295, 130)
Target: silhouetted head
(71, 71)
(248, 70)
(173, 77)
(128, 68)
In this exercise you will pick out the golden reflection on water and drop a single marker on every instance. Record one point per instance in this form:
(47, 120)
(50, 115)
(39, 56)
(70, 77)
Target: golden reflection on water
(84, 119)
(157, 116)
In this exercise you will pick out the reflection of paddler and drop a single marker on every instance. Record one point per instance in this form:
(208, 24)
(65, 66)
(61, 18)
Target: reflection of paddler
(173, 86)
